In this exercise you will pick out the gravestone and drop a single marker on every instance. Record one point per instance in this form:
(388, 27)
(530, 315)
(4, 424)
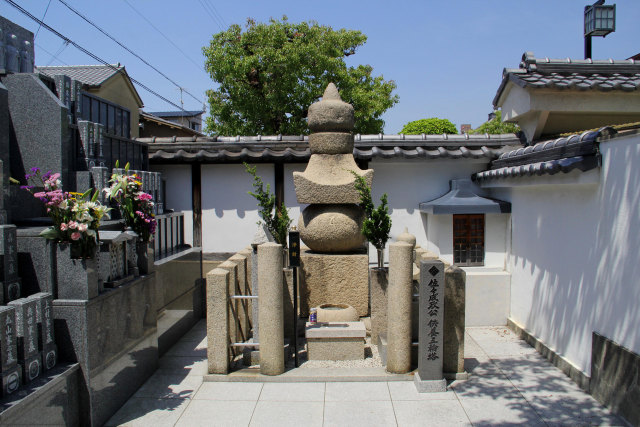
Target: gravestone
(98, 135)
(100, 180)
(10, 371)
(76, 96)
(46, 337)
(27, 333)
(86, 129)
(10, 282)
(63, 87)
(430, 377)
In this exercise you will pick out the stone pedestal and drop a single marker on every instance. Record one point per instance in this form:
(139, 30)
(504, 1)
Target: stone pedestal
(335, 340)
(76, 278)
(335, 279)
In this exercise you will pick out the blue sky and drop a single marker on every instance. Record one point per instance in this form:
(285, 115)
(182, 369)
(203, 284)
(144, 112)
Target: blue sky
(445, 56)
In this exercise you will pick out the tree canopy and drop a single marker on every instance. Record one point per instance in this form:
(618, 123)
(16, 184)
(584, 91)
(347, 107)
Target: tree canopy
(270, 73)
(496, 126)
(432, 126)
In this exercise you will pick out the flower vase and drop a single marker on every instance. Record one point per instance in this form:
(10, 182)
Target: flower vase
(145, 256)
(76, 278)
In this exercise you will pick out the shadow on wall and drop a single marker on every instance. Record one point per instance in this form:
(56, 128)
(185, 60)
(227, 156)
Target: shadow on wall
(585, 266)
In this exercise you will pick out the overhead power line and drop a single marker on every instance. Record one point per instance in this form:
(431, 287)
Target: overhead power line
(89, 53)
(200, 66)
(53, 56)
(127, 49)
(43, 15)
(211, 12)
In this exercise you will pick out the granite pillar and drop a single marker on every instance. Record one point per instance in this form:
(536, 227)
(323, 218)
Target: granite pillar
(399, 308)
(27, 337)
(454, 306)
(379, 284)
(10, 371)
(236, 333)
(10, 285)
(271, 309)
(430, 377)
(218, 321)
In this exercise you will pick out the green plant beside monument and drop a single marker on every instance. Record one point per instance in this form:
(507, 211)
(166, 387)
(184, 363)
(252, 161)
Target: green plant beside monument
(276, 219)
(377, 222)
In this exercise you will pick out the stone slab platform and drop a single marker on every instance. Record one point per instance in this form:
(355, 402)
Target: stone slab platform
(335, 340)
(334, 279)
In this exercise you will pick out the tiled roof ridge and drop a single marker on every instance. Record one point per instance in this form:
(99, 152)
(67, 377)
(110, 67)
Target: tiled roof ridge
(531, 63)
(117, 65)
(452, 138)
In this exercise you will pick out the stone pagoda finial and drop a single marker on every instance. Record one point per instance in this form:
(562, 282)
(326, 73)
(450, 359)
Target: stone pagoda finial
(333, 220)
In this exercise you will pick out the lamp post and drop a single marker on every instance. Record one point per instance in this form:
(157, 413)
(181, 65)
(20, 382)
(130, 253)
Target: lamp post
(599, 20)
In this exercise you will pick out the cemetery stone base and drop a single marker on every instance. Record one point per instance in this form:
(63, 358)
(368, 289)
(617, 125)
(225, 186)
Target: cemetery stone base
(334, 279)
(335, 340)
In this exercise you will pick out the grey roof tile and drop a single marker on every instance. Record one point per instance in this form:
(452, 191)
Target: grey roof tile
(91, 75)
(222, 149)
(580, 74)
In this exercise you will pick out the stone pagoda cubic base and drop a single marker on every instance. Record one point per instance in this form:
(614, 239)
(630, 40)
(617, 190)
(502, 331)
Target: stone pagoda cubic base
(335, 340)
(334, 279)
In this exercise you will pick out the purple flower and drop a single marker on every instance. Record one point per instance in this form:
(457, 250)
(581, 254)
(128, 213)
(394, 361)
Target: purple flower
(26, 187)
(35, 170)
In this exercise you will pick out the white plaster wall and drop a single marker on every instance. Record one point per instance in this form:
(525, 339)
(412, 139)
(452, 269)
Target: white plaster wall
(290, 199)
(229, 214)
(574, 256)
(177, 180)
(407, 184)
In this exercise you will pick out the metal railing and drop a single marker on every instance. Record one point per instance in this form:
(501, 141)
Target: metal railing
(169, 235)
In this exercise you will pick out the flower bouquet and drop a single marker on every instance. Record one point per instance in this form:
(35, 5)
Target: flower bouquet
(76, 216)
(135, 205)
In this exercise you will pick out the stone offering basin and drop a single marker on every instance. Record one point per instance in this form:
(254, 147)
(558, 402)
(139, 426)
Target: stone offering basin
(337, 313)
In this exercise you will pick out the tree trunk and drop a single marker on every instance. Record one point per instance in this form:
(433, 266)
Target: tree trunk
(380, 257)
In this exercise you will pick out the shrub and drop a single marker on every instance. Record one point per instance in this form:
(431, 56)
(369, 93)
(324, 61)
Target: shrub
(432, 126)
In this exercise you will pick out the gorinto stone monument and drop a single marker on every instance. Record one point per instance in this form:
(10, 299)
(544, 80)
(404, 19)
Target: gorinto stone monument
(335, 269)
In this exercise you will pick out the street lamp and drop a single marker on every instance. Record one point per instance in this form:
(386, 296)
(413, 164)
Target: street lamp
(599, 20)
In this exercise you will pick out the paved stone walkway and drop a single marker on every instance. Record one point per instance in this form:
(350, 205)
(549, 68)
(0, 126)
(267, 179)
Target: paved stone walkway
(511, 384)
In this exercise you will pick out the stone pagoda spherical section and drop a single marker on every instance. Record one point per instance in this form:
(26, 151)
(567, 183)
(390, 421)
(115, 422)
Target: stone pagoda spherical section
(332, 221)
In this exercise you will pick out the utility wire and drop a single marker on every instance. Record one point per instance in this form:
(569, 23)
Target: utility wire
(215, 11)
(91, 54)
(51, 54)
(43, 15)
(200, 67)
(58, 52)
(209, 12)
(127, 49)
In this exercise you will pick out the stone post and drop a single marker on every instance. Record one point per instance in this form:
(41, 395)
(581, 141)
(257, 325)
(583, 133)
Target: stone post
(236, 333)
(429, 377)
(378, 288)
(218, 321)
(270, 283)
(399, 308)
(241, 306)
(454, 306)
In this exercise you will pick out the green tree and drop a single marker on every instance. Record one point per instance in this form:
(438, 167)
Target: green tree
(276, 219)
(377, 222)
(432, 126)
(270, 73)
(496, 126)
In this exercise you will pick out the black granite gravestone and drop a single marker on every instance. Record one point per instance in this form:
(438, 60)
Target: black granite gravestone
(27, 334)
(46, 338)
(9, 279)
(10, 371)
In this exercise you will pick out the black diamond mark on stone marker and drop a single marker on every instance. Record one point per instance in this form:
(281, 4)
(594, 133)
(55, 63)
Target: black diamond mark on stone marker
(434, 270)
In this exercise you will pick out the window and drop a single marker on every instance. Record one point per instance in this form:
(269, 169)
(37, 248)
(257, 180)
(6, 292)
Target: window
(468, 239)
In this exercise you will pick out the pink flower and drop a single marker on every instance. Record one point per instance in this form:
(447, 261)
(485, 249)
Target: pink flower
(63, 226)
(73, 225)
(144, 196)
(76, 235)
(39, 195)
(82, 227)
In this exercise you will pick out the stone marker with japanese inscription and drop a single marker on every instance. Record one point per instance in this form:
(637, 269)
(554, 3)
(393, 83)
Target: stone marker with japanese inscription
(10, 371)
(27, 333)
(430, 377)
(9, 281)
(46, 339)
